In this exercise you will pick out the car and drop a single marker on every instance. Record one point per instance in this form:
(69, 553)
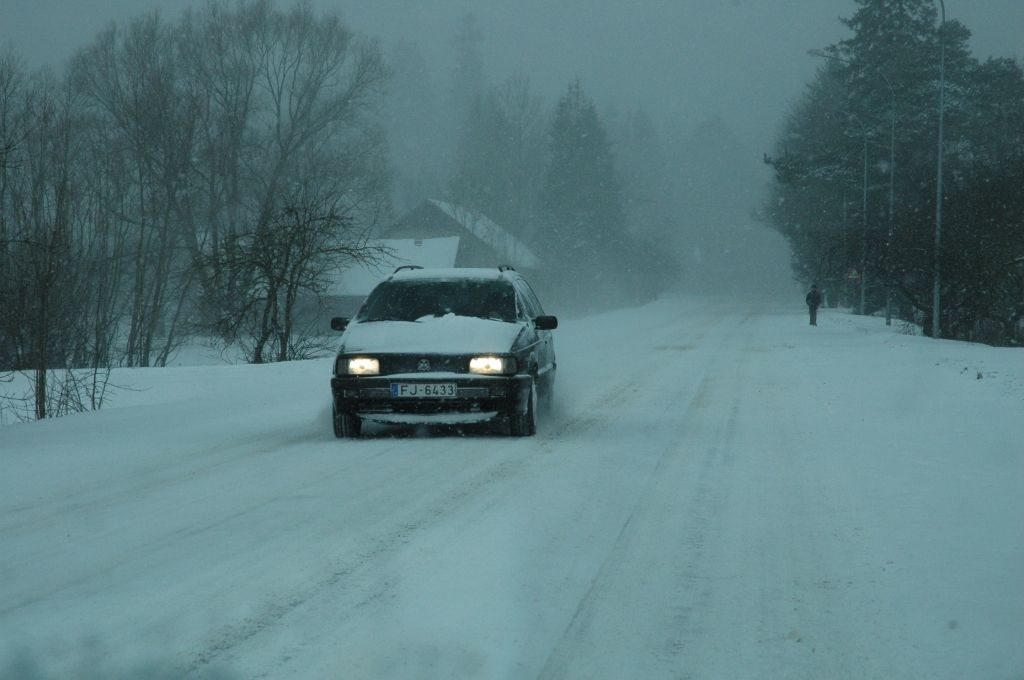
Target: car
(449, 346)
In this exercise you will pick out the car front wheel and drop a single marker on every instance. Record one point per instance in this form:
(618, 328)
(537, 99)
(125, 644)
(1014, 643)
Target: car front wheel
(345, 424)
(525, 425)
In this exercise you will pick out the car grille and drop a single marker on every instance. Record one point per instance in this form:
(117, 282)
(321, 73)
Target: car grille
(411, 363)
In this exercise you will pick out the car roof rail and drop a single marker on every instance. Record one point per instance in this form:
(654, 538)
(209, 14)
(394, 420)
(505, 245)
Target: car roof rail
(506, 268)
(407, 266)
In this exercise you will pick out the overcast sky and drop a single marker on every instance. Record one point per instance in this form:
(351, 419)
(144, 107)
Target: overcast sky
(684, 60)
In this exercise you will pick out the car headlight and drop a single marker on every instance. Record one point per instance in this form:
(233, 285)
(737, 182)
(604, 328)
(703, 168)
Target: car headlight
(490, 365)
(363, 366)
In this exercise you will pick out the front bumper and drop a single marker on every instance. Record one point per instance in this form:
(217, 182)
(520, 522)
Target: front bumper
(478, 397)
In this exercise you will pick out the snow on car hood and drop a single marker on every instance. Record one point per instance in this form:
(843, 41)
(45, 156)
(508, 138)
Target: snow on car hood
(448, 334)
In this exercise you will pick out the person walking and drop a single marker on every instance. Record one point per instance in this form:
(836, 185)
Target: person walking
(813, 302)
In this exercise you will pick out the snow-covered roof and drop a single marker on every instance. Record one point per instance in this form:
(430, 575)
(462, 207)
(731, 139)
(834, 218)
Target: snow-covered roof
(510, 249)
(450, 272)
(427, 252)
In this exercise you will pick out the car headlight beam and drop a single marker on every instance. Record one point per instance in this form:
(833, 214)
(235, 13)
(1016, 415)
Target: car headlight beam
(491, 365)
(363, 366)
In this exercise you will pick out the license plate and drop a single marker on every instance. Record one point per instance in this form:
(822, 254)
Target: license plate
(403, 390)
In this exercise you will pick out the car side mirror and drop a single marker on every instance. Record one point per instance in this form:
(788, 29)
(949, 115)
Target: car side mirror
(546, 323)
(339, 323)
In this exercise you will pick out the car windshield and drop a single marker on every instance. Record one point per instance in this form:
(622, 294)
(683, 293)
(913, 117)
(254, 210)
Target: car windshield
(414, 300)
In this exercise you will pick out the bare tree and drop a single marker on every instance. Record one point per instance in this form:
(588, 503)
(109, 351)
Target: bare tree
(222, 65)
(131, 81)
(48, 252)
(12, 128)
(292, 174)
(42, 287)
(290, 257)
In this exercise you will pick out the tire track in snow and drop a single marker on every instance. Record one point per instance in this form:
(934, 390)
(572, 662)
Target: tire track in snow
(719, 571)
(148, 547)
(604, 406)
(685, 492)
(170, 472)
(349, 582)
(669, 478)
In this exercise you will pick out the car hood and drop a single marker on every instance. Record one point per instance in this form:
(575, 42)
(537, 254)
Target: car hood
(431, 335)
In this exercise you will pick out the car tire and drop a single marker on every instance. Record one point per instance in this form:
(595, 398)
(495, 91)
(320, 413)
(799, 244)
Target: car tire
(346, 425)
(525, 425)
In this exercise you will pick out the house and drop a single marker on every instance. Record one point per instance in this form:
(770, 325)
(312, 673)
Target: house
(435, 234)
(482, 243)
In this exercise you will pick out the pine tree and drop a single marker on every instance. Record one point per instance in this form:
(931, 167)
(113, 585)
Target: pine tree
(581, 196)
(581, 205)
(500, 157)
(878, 92)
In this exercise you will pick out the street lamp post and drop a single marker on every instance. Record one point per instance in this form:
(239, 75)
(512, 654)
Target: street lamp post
(937, 278)
(864, 224)
(892, 203)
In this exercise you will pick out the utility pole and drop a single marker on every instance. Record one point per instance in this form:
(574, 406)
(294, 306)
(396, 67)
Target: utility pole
(864, 235)
(892, 206)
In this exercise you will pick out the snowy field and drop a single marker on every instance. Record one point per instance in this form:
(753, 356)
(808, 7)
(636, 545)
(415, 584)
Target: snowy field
(722, 492)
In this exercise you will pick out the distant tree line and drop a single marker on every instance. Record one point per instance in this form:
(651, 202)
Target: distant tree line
(856, 175)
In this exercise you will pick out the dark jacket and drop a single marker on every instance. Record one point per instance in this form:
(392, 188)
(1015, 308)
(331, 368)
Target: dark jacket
(814, 298)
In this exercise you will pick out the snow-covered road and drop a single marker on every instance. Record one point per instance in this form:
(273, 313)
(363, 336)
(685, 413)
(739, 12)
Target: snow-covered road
(722, 492)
